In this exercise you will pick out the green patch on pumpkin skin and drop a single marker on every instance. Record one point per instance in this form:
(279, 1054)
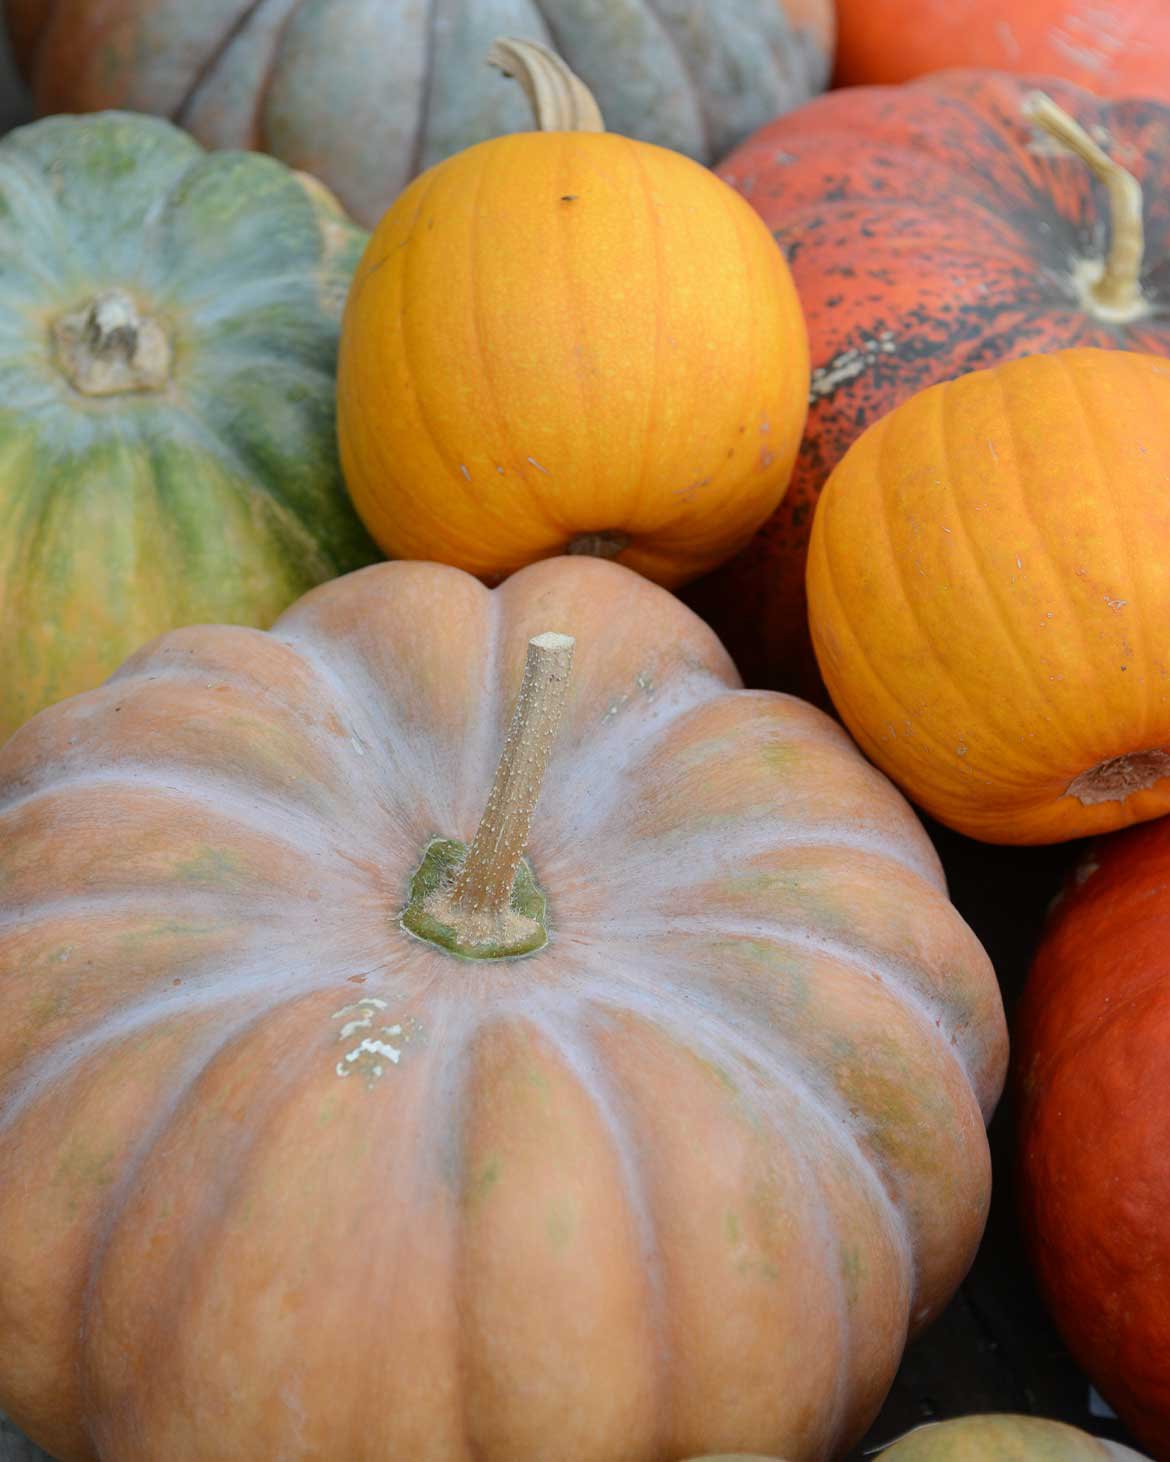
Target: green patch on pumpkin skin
(561, 1222)
(732, 1227)
(84, 1166)
(480, 1184)
(169, 929)
(781, 756)
(211, 867)
(854, 1271)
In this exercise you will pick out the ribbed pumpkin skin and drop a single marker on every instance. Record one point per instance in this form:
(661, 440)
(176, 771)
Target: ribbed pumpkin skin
(1094, 1038)
(558, 334)
(1112, 47)
(366, 93)
(997, 1438)
(683, 1179)
(987, 592)
(217, 497)
(929, 234)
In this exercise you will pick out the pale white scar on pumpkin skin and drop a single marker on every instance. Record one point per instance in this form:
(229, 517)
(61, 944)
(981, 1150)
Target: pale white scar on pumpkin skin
(371, 1051)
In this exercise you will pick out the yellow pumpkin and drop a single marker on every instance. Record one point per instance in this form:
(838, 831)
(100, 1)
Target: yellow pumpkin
(989, 596)
(568, 341)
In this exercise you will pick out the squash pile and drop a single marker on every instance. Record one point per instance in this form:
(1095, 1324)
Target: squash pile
(443, 1012)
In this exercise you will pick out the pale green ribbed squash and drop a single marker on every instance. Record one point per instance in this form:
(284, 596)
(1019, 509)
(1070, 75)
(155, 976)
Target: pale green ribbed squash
(204, 484)
(366, 93)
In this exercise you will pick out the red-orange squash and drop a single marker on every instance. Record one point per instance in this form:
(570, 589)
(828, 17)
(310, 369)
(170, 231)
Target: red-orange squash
(931, 229)
(568, 341)
(1094, 1161)
(1113, 47)
(280, 1177)
(988, 596)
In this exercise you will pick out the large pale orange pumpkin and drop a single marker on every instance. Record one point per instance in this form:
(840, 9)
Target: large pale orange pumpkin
(988, 595)
(569, 341)
(279, 1178)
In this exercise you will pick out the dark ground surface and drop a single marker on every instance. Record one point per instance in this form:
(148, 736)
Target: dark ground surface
(994, 1348)
(14, 106)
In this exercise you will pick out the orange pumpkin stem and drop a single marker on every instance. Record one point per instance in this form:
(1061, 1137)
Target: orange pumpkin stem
(1117, 290)
(478, 904)
(560, 100)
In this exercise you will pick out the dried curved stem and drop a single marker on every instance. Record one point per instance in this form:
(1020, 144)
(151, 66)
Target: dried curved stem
(1118, 291)
(560, 100)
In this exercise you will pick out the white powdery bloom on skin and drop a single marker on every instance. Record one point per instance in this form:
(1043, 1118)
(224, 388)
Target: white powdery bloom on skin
(362, 1016)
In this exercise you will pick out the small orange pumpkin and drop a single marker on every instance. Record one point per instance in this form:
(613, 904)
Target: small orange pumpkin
(988, 595)
(566, 340)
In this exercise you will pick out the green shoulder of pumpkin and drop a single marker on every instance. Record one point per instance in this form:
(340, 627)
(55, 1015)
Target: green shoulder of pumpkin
(125, 175)
(168, 363)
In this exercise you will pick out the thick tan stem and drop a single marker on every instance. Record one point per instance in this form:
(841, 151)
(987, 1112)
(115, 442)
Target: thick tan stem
(111, 348)
(560, 100)
(478, 905)
(1118, 290)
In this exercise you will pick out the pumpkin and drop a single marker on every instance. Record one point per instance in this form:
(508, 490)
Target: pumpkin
(991, 1438)
(1005, 1438)
(565, 341)
(299, 1156)
(933, 229)
(366, 93)
(1094, 1037)
(168, 343)
(987, 590)
(1114, 47)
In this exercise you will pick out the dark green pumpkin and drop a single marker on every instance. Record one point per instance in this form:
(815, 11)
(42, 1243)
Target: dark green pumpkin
(168, 338)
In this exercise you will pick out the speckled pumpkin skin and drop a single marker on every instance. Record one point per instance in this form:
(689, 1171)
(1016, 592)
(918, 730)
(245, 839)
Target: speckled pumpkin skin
(929, 234)
(366, 93)
(1094, 1167)
(217, 497)
(1112, 47)
(685, 1179)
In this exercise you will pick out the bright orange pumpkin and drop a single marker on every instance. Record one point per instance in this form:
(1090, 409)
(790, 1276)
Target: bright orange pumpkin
(988, 595)
(569, 341)
(279, 1178)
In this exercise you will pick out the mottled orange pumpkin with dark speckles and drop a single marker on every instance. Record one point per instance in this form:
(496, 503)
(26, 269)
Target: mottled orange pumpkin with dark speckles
(1112, 47)
(932, 229)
